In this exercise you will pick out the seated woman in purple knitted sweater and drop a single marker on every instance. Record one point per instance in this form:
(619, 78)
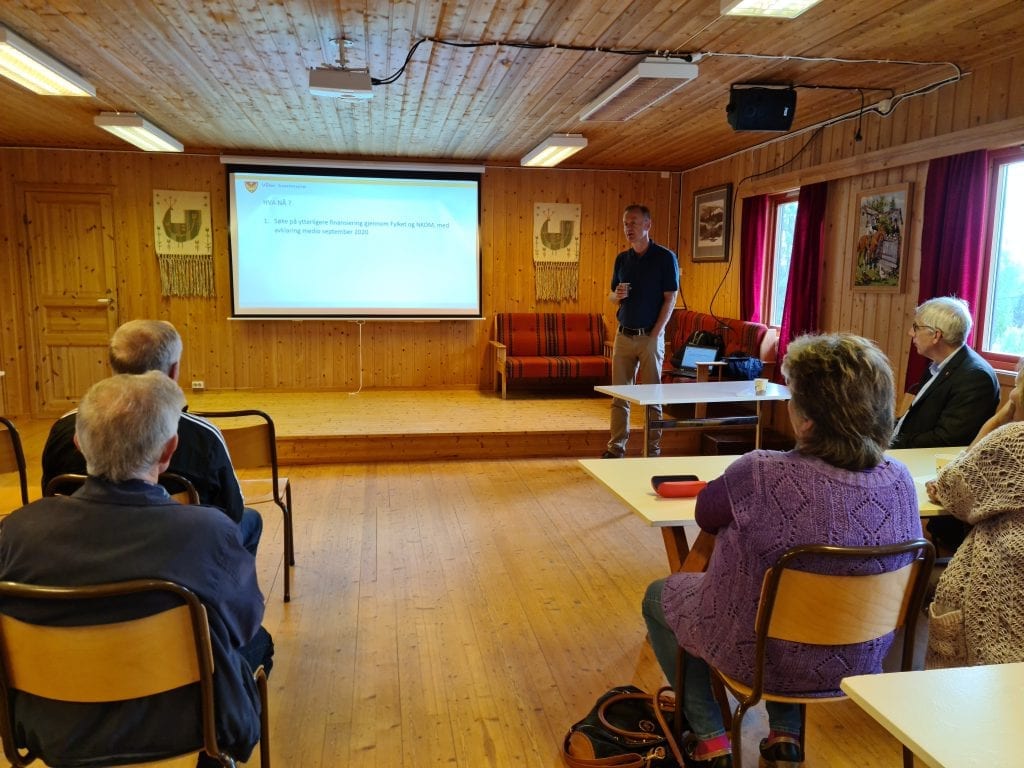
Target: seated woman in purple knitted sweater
(835, 487)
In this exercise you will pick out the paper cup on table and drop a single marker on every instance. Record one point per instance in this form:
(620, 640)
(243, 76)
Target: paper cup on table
(942, 459)
(760, 386)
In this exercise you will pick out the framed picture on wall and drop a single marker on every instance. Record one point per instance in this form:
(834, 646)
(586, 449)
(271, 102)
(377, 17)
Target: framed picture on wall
(711, 224)
(881, 217)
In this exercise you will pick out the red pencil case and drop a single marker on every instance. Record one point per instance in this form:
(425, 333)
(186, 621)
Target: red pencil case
(680, 489)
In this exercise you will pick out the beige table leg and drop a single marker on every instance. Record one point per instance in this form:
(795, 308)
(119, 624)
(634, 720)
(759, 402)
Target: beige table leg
(647, 431)
(680, 556)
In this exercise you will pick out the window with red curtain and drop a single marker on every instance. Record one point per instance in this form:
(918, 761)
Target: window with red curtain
(779, 254)
(801, 314)
(1000, 332)
(766, 245)
(753, 233)
(952, 237)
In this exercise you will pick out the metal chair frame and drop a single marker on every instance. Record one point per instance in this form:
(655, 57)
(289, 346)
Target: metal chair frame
(12, 456)
(68, 483)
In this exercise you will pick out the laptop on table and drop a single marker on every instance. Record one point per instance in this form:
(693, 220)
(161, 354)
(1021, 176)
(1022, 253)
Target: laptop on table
(693, 354)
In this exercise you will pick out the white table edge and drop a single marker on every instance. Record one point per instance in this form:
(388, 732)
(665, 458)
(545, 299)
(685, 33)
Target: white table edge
(849, 687)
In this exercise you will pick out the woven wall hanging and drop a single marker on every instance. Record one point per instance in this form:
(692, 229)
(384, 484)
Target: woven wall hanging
(556, 251)
(184, 242)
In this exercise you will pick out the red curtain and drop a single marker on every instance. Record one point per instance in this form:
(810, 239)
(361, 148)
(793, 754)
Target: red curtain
(753, 238)
(952, 236)
(803, 294)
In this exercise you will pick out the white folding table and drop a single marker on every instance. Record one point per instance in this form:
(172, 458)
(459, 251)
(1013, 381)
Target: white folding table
(696, 393)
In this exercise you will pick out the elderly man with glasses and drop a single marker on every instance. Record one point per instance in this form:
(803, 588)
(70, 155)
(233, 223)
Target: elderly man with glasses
(959, 390)
(957, 393)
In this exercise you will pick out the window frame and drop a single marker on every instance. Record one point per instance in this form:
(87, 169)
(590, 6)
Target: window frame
(997, 158)
(768, 276)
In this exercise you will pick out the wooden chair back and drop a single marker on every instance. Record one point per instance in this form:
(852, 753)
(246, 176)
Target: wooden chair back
(251, 439)
(12, 455)
(179, 487)
(250, 436)
(105, 662)
(802, 606)
(823, 609)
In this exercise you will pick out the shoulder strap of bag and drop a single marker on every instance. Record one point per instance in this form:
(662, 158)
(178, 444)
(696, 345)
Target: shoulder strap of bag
(630, 760)
(659, 702)
(670, 737)
(641, 736)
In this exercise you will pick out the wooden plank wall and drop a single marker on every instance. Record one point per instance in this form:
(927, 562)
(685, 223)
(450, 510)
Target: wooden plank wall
(986, 109)
(315, 355)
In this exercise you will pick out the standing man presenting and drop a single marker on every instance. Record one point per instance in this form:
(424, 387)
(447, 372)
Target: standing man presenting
(644, 285)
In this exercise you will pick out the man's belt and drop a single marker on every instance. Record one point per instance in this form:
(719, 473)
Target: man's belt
(635, 331)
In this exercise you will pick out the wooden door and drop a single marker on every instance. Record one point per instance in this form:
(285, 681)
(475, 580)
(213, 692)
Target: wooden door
(71, 268)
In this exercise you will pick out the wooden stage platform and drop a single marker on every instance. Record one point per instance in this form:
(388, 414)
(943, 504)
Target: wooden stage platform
(418, 425)
(412, 425)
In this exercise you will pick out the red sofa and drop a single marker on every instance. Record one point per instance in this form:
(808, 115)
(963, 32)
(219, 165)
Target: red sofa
(741, 337)
(560, 346)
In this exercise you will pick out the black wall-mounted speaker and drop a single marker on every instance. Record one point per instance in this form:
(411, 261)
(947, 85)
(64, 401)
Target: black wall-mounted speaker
(761, 109)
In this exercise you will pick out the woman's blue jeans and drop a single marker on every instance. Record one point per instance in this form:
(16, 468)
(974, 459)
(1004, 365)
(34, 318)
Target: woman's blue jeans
(699, 704)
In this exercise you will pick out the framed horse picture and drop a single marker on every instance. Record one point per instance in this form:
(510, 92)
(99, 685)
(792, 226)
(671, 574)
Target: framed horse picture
(881, 217)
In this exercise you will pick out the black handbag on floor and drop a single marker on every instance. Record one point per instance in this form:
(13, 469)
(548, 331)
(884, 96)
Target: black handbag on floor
(627, 728)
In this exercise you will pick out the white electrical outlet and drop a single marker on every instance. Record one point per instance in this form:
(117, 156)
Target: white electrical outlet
(198, 385)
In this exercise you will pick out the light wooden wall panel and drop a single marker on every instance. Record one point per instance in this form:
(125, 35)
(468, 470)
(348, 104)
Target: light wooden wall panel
(988, 103)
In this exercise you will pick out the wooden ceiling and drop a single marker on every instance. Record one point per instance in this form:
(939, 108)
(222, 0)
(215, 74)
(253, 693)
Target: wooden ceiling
(231, 75)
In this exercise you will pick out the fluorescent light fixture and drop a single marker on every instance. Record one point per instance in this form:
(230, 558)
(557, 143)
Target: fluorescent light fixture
(554, 149)
(26, 65)
(138, 131)
(784, 9)
(646, 84)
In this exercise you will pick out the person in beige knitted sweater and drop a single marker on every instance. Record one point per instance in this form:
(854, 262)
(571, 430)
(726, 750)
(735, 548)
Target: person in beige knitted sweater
(977, 616)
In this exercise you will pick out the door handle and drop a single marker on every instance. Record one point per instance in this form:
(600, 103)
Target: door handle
(105, 301)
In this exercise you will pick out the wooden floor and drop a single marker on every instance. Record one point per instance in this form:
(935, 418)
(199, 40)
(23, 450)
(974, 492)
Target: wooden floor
(465, 613)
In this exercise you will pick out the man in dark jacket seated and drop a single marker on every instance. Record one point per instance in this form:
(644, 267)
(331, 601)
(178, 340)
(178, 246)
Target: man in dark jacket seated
(122, 525)
(202, 456)
(957, 393)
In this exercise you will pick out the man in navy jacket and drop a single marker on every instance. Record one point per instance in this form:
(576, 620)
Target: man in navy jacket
(121, 525)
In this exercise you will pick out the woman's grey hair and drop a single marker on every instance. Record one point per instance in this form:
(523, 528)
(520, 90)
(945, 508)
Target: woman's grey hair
(145, 345)
(844, 384)
(948, 314)
(125, 421)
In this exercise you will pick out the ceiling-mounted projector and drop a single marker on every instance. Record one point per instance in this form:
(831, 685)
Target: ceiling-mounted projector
(340, 83)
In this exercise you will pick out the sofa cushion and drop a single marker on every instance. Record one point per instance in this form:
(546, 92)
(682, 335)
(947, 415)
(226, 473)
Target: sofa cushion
(557, 367)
